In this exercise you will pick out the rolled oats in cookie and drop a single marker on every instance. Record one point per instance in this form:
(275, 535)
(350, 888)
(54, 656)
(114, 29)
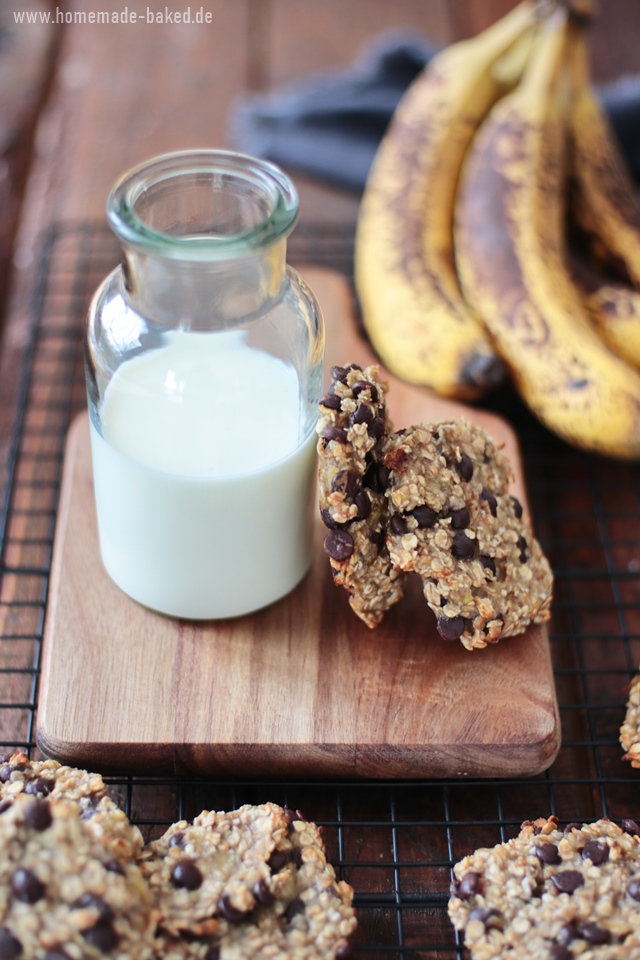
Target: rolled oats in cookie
(552, 894)
(353, 429)
(250, 883)
(62, 892)
(453, 520)
(630, 729)
(49, 779)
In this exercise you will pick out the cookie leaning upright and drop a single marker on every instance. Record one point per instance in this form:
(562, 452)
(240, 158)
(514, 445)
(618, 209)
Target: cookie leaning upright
(452, 519)
(550, 894)
(353, 430)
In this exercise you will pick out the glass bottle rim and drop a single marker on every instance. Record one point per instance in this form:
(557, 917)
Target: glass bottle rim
(266, 176)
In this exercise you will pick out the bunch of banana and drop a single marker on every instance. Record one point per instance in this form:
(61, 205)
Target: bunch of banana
(412, 306)
(497, 153)
(511, 246)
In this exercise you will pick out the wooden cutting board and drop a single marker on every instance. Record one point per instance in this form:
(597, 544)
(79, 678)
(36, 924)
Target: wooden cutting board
(301, 688)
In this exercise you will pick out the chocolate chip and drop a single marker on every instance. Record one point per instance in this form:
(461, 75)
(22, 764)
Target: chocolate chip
(277, 860)
(548, 853)
(450, 628)
(492, 919)
(522, 547)
(263, 894)
(295, 907)
(38, 815)
(5, 773)
(296, 857)
(383, 477)
(463, 547)
(103, 937)
(176, 839)
(344, 951)
(630, 826)
(464, 467)
(91, 901)
(361, 385)
(596, 852)
(42, 786)
(363, 504)
(334, 433)
(339, 545)
(469, 885)
(114, 866)
(186, 874)
(213, 953)
(57, 954)
(398, 525)
(592, 933)
(517, 507)
(378, 538)
(460, 518)
(229, 912)
(346, 482)
(488, 563)
(425, 516)
(26, 887)
(566, 881)
(339, 373)
(362, 414)
(370, 480)
(376, 429)
(633, 888)
(490, 500)
(558, 952)
(10, 946)
(566, 934)
(5, 805)
(331, 401)
(328, 520)
(572, 826)
(292, 815)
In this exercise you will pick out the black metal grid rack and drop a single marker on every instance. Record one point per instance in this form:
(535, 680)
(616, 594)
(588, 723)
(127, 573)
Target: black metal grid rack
(394, 841)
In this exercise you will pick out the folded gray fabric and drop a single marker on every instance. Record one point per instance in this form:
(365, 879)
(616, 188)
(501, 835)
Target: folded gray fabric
(330, 125)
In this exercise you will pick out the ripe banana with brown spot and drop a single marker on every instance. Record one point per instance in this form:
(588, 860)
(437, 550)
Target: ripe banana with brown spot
(604, 203)
(510, 240)
(411, 303)
(613, 306)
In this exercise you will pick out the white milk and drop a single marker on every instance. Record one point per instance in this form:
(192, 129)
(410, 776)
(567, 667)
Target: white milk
(204, 497)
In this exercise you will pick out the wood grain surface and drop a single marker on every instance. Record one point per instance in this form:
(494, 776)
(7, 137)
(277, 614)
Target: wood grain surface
(301, 688)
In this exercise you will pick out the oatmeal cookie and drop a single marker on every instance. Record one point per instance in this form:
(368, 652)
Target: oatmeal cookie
(353, 429)
(62, 893)
(552, 894)
(452, 520)
(630, 729)
(251, 883)
(52, 780)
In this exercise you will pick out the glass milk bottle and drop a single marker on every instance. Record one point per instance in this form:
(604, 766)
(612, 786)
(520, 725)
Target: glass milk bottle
(204, 366)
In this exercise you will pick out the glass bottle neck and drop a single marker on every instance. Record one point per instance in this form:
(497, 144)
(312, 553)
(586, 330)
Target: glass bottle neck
(203, 295)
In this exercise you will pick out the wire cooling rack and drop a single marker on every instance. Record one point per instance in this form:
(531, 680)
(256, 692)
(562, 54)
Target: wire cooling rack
(393, 841)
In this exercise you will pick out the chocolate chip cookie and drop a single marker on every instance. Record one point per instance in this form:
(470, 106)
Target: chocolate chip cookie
(630, 729)
(353, 429)
(452, 519)
(49, 779)
(62, 892)
(251, 883)
(552, 894)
